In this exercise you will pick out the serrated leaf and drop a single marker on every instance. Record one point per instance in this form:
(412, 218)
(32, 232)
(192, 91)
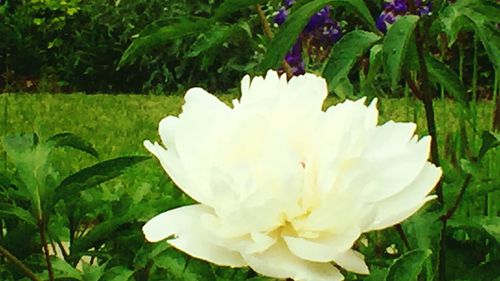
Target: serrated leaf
(117, 273)
(440, 73)
(17, 212)
(396, 45)
(482, 16)
(293, 26)
(159, 35)
(408, 266)
(73, 141)
(94, 175)
(64, 269)
(489, 36)
(30, 160)
(228, 7)
(452, 22)
(346, 53)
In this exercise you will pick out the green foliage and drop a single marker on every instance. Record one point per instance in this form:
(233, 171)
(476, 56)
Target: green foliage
(345, 54)
(288, 33)
(408, 266)
(396, 46)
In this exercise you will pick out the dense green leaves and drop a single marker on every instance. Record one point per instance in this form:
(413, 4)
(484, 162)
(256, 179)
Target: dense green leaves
(408, 266)
(345, 54)
(440, 73)
(293, 26)
(184, 27)
(396, 45)
(94, 175)
(481, 16)
(228, 7)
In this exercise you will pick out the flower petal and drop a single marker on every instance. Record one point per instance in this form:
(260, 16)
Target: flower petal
(352, 261)
(192, 238)
(279, 262)
(323, 249)
(397, 208)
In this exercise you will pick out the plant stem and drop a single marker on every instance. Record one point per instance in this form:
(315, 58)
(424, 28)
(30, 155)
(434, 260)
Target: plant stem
(403, 236)
(19, 264)
(41, 228)
(269, 34)
(460, 196)
(427, 96)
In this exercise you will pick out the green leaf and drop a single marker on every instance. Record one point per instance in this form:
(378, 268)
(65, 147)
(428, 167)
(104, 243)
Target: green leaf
(482, 17)
(490, 224)
(158, 35)
(215, 37)
(64, 269)
(440, 73)
(489, 142)
(469, 244)
(396, 45)
(486, 271)
(97, 236)
(17, 212)
(346, 53)
(117, 273)
(73, 141)
(228, 7)
(408, 266)
(94, 175)
(486, 30)
(294, 25)
(30, 160)
(452, 22)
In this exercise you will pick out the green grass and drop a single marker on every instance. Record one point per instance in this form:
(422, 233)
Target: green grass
(117, 124)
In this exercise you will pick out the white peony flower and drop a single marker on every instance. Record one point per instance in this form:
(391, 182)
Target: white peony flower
(284, 187)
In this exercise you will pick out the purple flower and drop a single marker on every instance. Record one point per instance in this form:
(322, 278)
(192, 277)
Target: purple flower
(320, 33)
(281, 16)
(288, 3)
(396, 8)
(318, 19)
(294, 59)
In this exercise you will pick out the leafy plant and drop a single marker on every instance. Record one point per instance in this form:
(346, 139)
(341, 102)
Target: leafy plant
(30, 198)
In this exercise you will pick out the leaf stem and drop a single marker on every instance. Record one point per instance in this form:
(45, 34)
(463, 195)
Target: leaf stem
(269, 34)
(18, 263)
(41, 229)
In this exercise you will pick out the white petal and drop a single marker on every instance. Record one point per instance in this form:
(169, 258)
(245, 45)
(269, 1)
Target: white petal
(192, 238)
(352, 261)
(194, 245)
(308, 90)
(397, 208)
(174, 222)
(322, 250)
(167, 130)
(169, 159)
(279, 262)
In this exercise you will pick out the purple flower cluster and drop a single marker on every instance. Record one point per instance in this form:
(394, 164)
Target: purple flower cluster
(393, 9)
(320, 33)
